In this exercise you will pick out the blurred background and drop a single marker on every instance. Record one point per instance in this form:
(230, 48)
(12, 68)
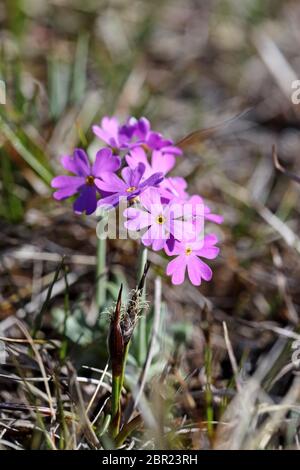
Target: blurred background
(186, 65)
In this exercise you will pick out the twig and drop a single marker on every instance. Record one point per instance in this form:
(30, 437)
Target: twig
(232, 358)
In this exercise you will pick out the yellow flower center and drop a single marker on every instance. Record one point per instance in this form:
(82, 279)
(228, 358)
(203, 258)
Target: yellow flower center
(188, 251)
(131, 189)
(160, 219)
(90, 180)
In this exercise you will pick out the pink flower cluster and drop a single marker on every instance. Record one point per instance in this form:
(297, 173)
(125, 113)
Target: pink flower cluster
(160, 208)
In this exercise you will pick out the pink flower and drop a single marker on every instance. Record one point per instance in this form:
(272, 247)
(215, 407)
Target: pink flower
(188, 258)
(161, 221)
(86, 181)
(129, 187)
(134, 133)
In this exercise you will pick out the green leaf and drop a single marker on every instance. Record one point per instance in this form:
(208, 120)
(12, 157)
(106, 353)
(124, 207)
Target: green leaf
(23, 151)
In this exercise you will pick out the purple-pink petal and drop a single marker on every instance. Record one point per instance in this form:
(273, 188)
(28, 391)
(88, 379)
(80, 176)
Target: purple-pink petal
(108, 131)
(83, 167)
(150, 199)
(136, 156)
(143, 127)
(105, 162)
(176, 268)
(153, 180)
(64, 181)
(173, 150)
(182, 230)
(194, 270)
(127, 175)
(68, 163)
(137, 174)
(64, 193)
(162, 162)
(217, 219)
(209, 252)
(137, 219)
(111, 183)
(110, 201)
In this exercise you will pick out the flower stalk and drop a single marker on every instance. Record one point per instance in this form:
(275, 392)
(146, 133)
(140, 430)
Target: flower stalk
(122, 326)
(141, 329)
(117, 357)
(101, 274)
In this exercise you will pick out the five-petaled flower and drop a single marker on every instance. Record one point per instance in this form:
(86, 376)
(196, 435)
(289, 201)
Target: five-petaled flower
(129, 187)
(161, 221)
(87, 179)
(188, 255)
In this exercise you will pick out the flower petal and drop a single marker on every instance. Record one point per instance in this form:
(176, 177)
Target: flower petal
(150, 199)
(64, 181)
(172, 149)
(153, 180)
(111, 183)
(176, 268)
(182, 230)
(198, 270)
(137, 219)
(87, 201)
(210, 239)
(174, 248)
(137, 155)
(209, 252)
(158, 243)
(137, 174)
(64, 193)
(82, 163)
(108, 131)
(143, 127)
(162, 162)
(105, 162)
(68, 163)
(110, 201)
(127, 175)
(217, 219)
(146, 238)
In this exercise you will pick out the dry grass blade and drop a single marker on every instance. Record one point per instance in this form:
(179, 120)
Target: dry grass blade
(232, 358)
(201, 135)
(99, 385)
(280, 168)
(85, 425)
(41, 365)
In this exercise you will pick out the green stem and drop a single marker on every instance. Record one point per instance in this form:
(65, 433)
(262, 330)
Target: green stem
(124, 365)
(115, 406)
(119, 373)
(141, 333)
(208, 392)
(101, 274)
(117, 385)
